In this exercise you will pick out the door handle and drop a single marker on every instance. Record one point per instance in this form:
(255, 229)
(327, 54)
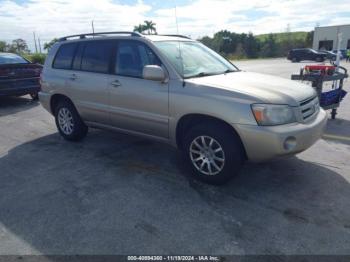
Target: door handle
(73, 77)
(116, 83)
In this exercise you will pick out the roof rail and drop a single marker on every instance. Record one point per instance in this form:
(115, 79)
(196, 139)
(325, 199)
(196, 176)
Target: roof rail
(182, 36)
(83, 36)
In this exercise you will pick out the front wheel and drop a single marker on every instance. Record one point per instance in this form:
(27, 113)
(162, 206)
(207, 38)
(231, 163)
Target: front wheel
(68, 122)
(213, 153)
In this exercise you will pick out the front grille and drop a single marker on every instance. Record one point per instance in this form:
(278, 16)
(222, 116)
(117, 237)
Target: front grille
(309, 107)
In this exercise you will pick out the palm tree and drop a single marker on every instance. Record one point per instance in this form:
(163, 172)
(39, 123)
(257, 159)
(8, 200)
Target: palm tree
(139, 28)
(150, 27)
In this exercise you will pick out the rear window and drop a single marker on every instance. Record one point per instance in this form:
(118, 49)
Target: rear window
(12, 59)
(97, 56)
(64, 56)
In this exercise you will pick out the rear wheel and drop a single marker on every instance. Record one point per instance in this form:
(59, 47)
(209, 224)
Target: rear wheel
(213, 153)
(34, 96)
(68, 122)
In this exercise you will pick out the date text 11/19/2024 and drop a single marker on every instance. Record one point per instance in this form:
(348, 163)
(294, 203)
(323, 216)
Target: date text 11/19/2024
(173, 258)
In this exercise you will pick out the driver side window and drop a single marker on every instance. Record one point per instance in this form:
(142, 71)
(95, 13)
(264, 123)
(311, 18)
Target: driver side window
(132, 57)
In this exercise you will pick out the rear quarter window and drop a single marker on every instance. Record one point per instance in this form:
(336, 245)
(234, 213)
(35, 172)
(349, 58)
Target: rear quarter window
(64, 56)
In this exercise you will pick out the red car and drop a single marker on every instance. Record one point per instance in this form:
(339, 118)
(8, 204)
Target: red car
(18, 76)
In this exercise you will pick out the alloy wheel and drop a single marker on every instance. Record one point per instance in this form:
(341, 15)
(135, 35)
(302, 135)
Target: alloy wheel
(65, 121)
(207, 155)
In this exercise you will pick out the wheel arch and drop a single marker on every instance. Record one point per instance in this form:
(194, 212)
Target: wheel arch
(187, 121)
(55, 100)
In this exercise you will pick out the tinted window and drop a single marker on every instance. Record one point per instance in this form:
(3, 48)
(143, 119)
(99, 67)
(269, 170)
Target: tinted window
(7, 58)
(132, 56)
(97, 56)
(77, 58)
(64, 56)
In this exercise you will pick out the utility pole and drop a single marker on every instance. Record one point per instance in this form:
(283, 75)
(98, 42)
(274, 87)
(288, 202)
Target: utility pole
(36, 48)
(39, 45)
(93, 28)
(340, 38)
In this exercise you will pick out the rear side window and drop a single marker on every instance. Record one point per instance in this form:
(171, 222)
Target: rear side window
(64, 56)
(97, 56)
(77, 58)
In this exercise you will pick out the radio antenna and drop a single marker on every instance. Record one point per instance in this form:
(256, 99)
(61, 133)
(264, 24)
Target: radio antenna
(180, 53)
(177, 24)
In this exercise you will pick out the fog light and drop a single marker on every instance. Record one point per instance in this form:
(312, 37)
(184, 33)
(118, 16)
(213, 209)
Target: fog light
(290, 143)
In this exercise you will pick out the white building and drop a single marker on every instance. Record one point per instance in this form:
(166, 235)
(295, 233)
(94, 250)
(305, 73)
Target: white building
(326, 37)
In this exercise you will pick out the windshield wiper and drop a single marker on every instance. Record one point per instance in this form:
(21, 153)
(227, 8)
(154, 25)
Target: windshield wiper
(201, 74)
(229, 71)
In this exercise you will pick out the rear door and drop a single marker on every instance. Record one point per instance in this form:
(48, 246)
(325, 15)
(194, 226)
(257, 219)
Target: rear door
(310, 55)
(87, 81)
(137, 104)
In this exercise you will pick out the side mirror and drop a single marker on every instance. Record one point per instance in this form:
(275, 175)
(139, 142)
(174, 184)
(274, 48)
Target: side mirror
(153, 72)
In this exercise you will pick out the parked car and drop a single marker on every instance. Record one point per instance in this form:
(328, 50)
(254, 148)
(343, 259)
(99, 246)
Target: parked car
(343, 53)
(329, 54)
(18, 76)
(176, 90)
(297, 55)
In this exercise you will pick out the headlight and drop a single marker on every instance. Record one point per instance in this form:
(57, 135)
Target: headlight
(272, 115)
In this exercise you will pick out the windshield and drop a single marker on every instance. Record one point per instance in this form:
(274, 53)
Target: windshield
(12, 59)
(313, 51)
(193, 59)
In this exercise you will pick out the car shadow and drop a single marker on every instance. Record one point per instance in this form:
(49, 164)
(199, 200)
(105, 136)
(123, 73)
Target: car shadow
(12, 105)
(116, 194)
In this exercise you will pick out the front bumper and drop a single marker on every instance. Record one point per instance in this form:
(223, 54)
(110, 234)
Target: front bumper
(267, 142)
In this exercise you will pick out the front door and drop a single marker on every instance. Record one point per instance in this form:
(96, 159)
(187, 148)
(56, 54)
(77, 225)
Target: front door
(136, 104)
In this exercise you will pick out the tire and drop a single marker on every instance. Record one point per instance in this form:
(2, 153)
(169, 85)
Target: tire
(294, 60)
(68, 121)
(226, 163)
(34, 96)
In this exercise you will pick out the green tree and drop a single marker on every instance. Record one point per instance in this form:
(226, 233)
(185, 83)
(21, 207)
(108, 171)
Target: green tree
(309, 39)
(36, 58)
(19, 46)
(251, 45)
(150, 27)
(3, 46)
(139, 28)
(48, 45)
(269, 47)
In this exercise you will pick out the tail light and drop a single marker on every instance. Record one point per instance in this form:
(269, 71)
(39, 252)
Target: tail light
(4, 72)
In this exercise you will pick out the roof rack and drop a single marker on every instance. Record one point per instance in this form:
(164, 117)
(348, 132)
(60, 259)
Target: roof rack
(83, 36)
(182, 36)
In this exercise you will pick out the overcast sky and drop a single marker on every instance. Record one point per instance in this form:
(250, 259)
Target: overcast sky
(55, 18)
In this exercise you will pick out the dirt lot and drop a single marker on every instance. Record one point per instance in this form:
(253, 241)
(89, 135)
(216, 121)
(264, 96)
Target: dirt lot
(114, 194)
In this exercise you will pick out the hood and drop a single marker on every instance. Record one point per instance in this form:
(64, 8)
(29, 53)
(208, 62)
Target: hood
(267, 88)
